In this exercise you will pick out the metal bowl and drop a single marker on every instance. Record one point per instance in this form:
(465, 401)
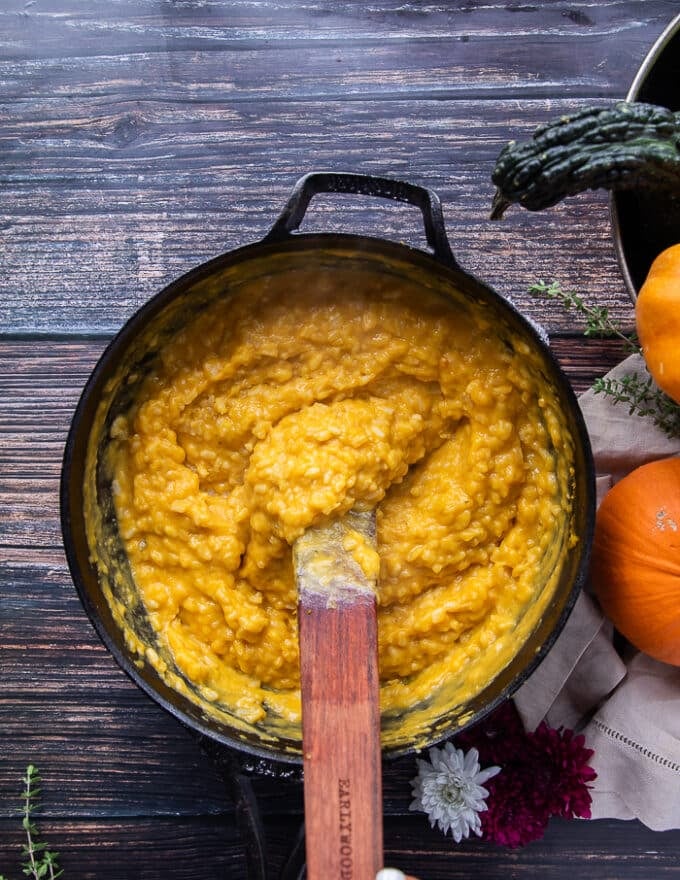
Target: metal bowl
(646, 223)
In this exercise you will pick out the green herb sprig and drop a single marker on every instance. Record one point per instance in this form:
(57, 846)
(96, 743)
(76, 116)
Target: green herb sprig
(40, 862)
(598, 321)
(640, 394)
(644, 399)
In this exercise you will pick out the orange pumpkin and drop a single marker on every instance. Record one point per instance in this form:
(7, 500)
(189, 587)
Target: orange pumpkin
(657, 316)
(636, 558)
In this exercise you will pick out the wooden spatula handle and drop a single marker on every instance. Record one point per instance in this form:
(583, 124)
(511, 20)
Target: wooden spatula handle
(341, 740)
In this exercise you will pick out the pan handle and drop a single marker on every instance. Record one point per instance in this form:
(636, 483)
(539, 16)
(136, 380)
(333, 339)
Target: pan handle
(367, 185)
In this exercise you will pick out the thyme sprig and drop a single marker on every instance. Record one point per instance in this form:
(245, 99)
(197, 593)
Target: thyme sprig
(644, 399)
(40, 862)
(639, 393)
(598, 321)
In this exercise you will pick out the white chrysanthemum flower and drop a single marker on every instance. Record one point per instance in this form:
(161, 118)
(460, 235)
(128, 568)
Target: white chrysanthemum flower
(449, 788)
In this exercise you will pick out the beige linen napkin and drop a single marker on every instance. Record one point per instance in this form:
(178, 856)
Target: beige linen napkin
(628, 708)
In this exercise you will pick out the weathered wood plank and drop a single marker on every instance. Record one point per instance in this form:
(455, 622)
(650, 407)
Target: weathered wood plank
(598, 850)
(89, 27)
(135, 849)
(172, 140)
(83, 249)
(163, 848)
(227, 70)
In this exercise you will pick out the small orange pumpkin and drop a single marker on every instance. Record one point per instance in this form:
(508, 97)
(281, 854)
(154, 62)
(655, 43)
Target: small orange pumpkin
(635, 564)
(657, 317)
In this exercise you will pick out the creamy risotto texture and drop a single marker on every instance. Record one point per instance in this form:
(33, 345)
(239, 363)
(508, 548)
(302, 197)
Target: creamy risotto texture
(295, 400)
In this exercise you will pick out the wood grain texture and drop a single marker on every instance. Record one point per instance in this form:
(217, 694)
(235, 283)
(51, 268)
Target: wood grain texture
(44, 29)
(340, 700)
(341, 737)
(157, 848)
(141, 137)
(114, 225)
(137, 849)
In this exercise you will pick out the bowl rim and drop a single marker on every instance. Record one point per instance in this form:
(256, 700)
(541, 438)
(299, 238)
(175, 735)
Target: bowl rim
(648, 63)
(652, 56)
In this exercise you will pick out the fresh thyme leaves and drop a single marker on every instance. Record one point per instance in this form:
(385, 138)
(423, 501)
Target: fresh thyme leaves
(40, 862)
(644, 399)
(639, 393)
(598, 322)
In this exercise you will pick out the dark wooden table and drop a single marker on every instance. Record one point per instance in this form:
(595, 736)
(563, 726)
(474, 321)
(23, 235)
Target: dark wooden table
(141, 137)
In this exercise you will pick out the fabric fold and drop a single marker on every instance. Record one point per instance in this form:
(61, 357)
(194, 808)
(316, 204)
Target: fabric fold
(628, 707)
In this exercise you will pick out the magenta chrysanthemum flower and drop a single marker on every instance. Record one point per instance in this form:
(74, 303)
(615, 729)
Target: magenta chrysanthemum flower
(543, 774)
(563, 761)
(513, 818)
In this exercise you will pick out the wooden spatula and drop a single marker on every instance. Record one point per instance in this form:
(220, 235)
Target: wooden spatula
(336, 583)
